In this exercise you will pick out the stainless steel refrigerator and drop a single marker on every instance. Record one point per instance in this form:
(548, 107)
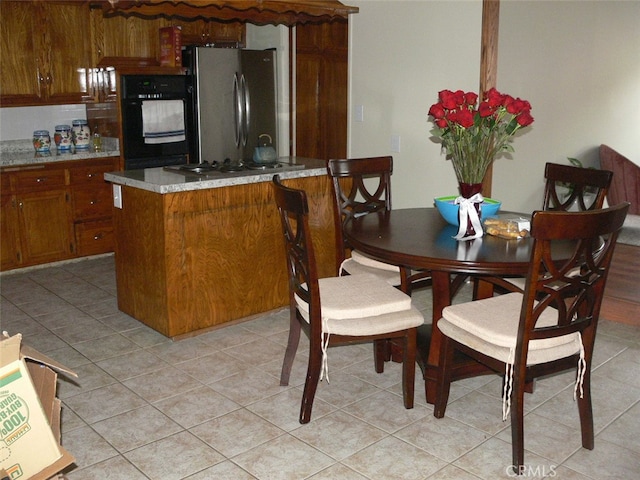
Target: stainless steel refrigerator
(231, 103)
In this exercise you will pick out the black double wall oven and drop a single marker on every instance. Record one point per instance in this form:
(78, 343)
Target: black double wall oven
(153, 121)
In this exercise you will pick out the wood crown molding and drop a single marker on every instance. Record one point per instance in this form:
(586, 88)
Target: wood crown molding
(259, 12)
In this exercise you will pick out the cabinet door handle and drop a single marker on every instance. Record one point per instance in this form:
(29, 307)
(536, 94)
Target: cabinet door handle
(91, 175)
(98, 236)
(93, 202)
(41, 179)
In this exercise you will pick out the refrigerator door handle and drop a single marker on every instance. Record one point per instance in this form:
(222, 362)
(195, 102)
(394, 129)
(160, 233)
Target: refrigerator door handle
(238, 110)
(247, 110)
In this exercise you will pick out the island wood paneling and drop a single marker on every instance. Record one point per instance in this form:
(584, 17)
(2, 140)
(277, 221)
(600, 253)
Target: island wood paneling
(192, 260)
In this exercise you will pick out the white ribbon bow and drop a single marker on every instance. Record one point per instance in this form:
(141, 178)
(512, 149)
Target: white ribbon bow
(468, 213)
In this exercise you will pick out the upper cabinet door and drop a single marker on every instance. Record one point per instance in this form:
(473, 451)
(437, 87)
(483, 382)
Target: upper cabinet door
(69, 53)
(211, 32)
(45, 47)
(21, 54)
(120, 36)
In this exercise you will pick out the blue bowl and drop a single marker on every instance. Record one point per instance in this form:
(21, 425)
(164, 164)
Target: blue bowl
(449, 210)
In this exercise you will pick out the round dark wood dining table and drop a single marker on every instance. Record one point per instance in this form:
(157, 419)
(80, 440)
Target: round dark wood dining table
(419, 238)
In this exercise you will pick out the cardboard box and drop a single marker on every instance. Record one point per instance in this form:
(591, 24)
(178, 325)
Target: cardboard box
(29, 413)
(171, 47)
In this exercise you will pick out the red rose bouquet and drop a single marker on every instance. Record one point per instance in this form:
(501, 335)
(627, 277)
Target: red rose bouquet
(474, 134)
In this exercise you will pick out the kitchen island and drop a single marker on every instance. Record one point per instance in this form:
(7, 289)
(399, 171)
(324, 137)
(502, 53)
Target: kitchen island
(194, 251)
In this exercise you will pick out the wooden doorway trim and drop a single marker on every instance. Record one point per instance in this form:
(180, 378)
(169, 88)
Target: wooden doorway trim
(489, 63)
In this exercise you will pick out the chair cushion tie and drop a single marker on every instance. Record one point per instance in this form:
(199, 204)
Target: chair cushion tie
(508, 379)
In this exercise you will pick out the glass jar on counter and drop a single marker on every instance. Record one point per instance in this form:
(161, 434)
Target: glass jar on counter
(81, 134)
(62, 137)
(41, 141)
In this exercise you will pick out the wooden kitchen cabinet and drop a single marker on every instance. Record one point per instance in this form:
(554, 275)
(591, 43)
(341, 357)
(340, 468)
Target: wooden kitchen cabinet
(130, 37)
(44, 226)
(92, 206)
(35, 216)
(208, 32)
(9, 240)
(55, 211)
(322, 52)
(45, 47)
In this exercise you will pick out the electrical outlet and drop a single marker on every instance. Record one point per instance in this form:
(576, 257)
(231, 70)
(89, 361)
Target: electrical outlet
(359, 113)
(117, 196)
(395, 143)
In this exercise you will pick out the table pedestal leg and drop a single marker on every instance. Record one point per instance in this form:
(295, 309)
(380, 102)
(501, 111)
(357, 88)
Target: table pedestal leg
(441, 291)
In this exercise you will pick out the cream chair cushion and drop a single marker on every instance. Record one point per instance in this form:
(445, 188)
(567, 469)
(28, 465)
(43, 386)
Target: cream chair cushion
(364, 259)
(355, 268)
(491, 325)
(362, 305)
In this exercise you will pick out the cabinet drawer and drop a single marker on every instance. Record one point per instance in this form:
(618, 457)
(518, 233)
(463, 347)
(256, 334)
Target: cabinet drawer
(93, 238)
(39, 179)
(92, 202)
(91, 173)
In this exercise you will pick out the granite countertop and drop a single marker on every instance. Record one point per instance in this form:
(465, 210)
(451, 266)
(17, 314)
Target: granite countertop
(21, 152)
(164, 180)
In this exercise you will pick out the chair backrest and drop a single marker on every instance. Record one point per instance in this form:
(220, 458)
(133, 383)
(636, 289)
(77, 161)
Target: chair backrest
(301, 263)
(360, 186)
(583, 188)
(572, 287)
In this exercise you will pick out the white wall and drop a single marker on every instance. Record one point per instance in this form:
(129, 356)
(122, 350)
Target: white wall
(402, 53)
(577, 62)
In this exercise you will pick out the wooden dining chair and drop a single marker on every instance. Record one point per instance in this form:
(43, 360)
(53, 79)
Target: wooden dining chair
(574, 188)
(362, 186)
(567, 188)
(548, 328)
(337, 310)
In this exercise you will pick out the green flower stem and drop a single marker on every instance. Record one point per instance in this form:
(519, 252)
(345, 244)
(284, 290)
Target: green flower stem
(473, 149)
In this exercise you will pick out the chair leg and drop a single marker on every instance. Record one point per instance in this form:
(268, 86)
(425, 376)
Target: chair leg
(292, 348)
(409, 368)
(443, 381)
(517, 423)
(380, 354)
(311, 383)
(586, 413)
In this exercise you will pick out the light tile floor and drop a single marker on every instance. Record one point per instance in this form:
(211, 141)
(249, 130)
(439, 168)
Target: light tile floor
(210, 407)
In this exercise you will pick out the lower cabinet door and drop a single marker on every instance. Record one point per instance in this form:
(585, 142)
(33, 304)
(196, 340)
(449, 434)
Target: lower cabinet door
(45, 225)
(9, 238)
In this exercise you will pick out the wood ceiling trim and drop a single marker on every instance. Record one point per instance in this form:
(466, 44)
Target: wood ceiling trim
(260, 12)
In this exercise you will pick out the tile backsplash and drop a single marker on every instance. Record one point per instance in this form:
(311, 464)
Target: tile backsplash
(18, 123)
